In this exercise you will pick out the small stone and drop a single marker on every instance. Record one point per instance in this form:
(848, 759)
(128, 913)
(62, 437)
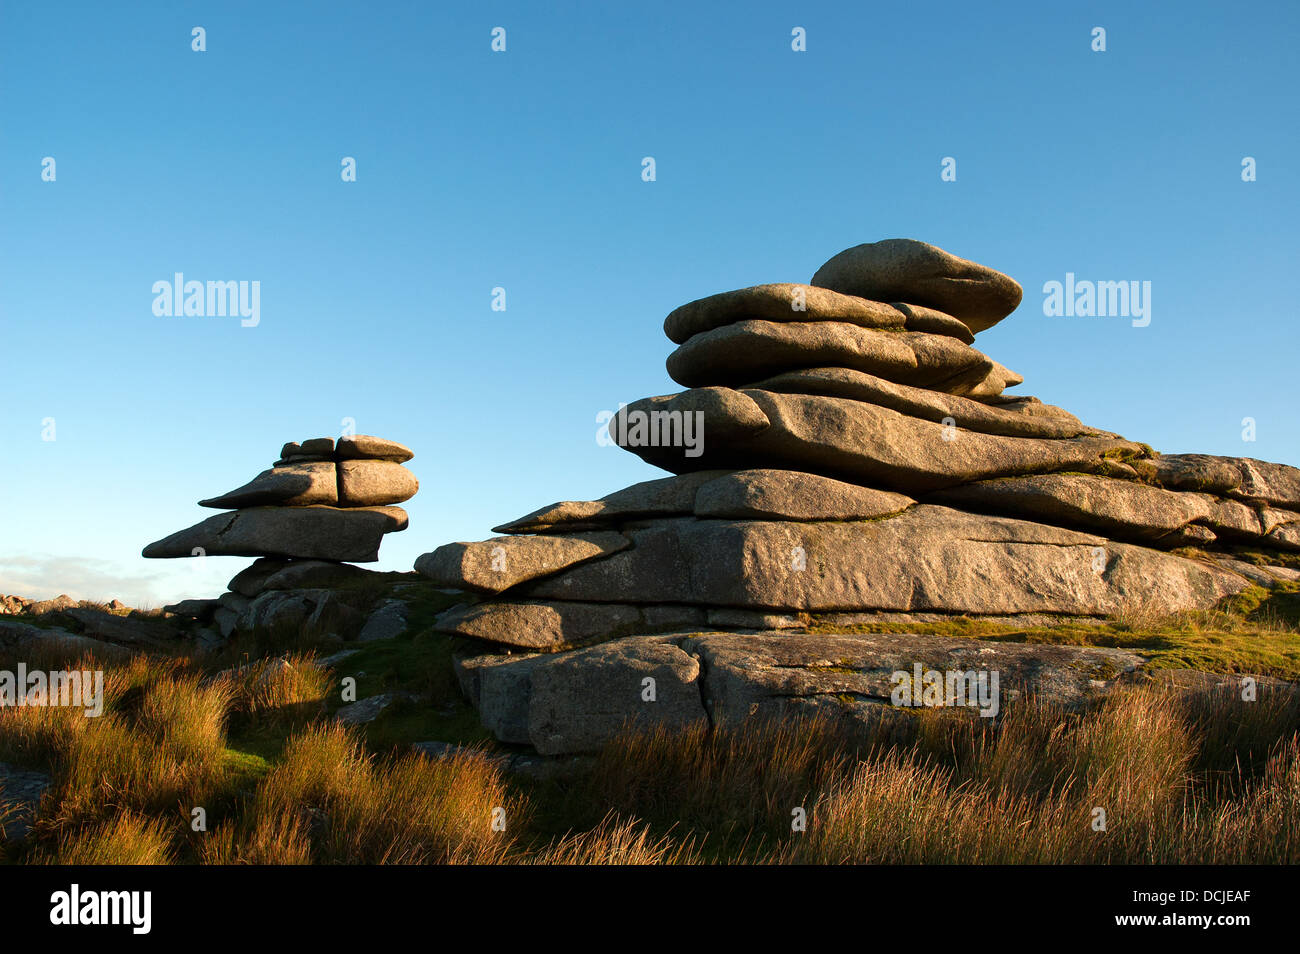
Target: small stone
(388, 621)
(364, 446)
(371, 708)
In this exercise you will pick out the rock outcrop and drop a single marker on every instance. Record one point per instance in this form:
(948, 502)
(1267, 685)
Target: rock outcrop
(841, 449)
(319, 501)
(320, 508)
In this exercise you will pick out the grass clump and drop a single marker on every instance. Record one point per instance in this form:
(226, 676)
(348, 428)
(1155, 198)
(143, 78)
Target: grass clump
(329, 801)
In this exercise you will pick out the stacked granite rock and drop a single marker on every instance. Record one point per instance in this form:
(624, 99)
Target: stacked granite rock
(859, 457)
(318, 501)
(322, 506)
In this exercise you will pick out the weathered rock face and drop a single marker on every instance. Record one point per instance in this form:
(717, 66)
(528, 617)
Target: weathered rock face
(847, 439)
(576, 701)
(842, 453)
(926, 559)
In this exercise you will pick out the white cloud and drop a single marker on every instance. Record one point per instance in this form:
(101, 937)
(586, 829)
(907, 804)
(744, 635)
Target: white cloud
(86, 578)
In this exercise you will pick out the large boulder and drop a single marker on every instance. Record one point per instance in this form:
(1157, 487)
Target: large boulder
(349, 535)
(577, 703)
(272, 573)
(777, 674)
(579, 700)
(912, 271)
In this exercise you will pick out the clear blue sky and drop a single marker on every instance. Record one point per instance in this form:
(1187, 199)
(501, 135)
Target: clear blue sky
(522, 169)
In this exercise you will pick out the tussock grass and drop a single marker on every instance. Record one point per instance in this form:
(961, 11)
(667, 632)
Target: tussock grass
(125, 839)
(283, 691)
(331, 802)
(1185, 771)
(616, 841)
(739, 785)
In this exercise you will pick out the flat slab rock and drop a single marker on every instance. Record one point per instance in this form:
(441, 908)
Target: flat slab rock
(785, 301)
(354, 447)
(768, 493)
(928, 558)
(350, 535)
(576, 701)
(747, 350)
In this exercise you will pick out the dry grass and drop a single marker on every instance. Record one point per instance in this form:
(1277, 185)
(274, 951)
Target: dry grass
(125, 839)
(331, 802)
(283, 691)
(616, 841)
(1182, 776)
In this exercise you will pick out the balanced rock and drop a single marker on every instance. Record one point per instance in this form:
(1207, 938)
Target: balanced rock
(318, 502)
(908, 270)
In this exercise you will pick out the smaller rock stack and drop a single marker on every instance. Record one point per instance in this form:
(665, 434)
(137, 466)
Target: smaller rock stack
(319, 501)
(319, 508)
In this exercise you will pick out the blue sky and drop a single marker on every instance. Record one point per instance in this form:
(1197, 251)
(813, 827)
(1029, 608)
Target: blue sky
(522, 170)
